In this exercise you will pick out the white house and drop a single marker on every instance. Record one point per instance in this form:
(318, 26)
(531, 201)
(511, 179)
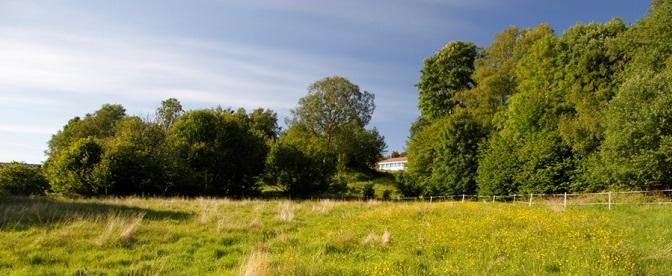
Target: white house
(393, 164)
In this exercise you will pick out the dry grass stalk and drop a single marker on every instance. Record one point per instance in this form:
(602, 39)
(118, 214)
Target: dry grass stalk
(286, 212)
(113, 220)
(222, 223)
(128, 228)
(372, 238)
(255, 224)
(386, 237)
(373, 202)
(324, 206)
(257, 264)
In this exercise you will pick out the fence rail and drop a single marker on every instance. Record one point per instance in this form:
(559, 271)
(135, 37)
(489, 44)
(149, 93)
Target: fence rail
(610, 199)
(651, 197)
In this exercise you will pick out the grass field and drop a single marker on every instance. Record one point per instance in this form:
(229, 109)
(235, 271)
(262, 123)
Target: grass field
(208, 236)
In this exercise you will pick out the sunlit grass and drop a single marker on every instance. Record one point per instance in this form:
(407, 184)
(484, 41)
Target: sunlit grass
(218, 236)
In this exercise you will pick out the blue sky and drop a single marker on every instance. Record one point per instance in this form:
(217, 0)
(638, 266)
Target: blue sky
(60, 58)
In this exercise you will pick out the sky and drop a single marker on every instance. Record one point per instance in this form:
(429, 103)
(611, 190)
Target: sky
(65, 58)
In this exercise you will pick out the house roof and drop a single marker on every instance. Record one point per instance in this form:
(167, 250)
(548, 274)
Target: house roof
(393, 160)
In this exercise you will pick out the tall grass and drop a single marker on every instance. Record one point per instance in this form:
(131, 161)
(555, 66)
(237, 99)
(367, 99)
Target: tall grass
(254, 237)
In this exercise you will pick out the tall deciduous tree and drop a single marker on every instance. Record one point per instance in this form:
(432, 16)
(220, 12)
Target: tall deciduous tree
(637, 152)
(168, 112)
(332, 105)
(445, 74)
(454, 169)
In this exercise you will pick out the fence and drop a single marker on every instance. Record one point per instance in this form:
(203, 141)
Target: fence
(655, 197)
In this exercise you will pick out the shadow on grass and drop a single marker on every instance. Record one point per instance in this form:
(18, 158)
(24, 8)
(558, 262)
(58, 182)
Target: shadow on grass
(20, 213)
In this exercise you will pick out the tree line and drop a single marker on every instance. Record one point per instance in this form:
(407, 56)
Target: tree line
(209, 152)
(534, 111)
(539, 112)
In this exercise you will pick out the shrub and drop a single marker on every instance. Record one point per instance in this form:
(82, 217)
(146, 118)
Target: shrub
(22, 179)
(387, 195)
(75, 170)
(368, 191)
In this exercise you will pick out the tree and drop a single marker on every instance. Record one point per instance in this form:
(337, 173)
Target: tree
(75, 171)
(332, 104)
(222, 155)
(265, 122)
(298, 167)
(637, 152)
(168, 112)
(495, 72)
(445, 74)
(540, 161)
(22, 179)
(135, 160)
(334, 115)
(454, 169)
(360, 149)
(100, 124)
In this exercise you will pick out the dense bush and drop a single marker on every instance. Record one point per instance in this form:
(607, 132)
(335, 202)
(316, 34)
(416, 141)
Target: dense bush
(299, 171)
(75, 170)
(204, 152)
(222, 155)
(22, 179)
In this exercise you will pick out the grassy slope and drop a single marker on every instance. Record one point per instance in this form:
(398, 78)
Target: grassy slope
(326, 237)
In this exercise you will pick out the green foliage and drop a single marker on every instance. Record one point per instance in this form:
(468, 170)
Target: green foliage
(455, 164)
(387, 195)
(648, 44)
(368, 192)
(75, 170)
(101, 124)
(359, 149)
(497, 166)
(298, 167)
(136, 159)
(637, 152)
(204, 152)
(222, 156)
(495, 71)
(447, 163)
(422, 147)
(410, 184)
(168, 112)
(326, 135)
(332, 105)
(265, 123)
(22, 179)
(445, 74)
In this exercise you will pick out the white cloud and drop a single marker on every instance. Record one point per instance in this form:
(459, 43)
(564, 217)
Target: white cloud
(24, 129)
(143, 69)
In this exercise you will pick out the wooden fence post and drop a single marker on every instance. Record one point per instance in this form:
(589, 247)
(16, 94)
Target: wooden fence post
(462, 198)
(530, 204)
(493, 199)
(565, 204)
(609, 200)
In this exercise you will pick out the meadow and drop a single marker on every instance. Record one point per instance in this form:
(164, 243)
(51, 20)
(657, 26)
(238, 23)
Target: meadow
(136, 236)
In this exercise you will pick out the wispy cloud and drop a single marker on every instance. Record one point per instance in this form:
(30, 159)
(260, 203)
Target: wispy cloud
(24, 129)
(142, 69)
